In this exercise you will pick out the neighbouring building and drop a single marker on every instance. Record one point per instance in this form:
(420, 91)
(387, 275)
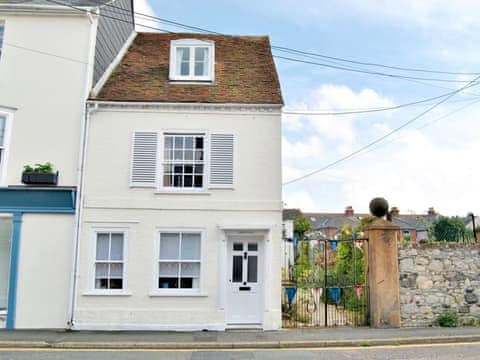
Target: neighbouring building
(51, 56)
(181, 218)
(413, 227)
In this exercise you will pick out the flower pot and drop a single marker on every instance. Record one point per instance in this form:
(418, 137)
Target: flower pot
(36, 178)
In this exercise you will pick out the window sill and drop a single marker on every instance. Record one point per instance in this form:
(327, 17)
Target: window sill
(107, 293)
(173, 293)
(191, 82)
(182, 192)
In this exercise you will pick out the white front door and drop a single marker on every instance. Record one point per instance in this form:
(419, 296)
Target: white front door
(245, 280)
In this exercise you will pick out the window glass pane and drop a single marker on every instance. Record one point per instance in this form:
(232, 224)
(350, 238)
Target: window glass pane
(178, 169)
(178, 181)
(189, 142)
(201, 54)
(185, 69)
(237, 271)
(101, 271)
(168, 269)
(188, 169)
(178, 142)
(182, 61)
(252, 269)
(252, 246)
(167, 180)
(186, 283)
(3, 122)
(190, 246)
(115, 284)
(178, 155)
(198, 181)
(116, 271)
(190, 269)
(188, 155)
(199, 143)
(198, 169)
(102, 246)
(200, 69)
(238, 246)
(167, 283)
(169, 246)
(199, 155)
(168, 142)
(188, 181)
(116, 252)
(101, 283)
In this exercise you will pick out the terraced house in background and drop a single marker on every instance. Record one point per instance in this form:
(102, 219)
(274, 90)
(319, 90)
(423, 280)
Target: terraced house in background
(51, 57)
(182, 215)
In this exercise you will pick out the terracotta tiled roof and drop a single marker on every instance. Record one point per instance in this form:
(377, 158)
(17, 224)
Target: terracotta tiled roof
(244, 72)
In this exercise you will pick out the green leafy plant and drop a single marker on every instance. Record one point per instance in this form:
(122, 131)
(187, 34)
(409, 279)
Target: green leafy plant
(46, 168)
(451, 229)
(447, 319)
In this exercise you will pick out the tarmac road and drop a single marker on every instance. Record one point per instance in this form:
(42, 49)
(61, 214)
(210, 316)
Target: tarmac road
(463, 351)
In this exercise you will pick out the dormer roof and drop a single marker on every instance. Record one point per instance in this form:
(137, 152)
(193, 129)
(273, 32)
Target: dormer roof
(244, 72)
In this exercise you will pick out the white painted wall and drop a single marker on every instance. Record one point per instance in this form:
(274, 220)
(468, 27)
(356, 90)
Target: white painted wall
(5, 246)
(44, 271)
(110, 202)
(47, 89)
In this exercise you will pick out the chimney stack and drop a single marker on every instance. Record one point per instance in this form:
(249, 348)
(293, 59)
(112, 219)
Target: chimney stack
(431, 211)
(349, 211)
(395, 211)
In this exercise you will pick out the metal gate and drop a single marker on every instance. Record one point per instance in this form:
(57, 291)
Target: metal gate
(324, 282)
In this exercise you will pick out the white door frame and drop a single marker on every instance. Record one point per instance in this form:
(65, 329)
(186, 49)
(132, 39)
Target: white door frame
(244, 230)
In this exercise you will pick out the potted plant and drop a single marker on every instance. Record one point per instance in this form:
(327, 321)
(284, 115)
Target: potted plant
(40, 174)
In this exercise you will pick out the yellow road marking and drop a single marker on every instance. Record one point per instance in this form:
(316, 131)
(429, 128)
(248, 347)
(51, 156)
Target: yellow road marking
(342, 348)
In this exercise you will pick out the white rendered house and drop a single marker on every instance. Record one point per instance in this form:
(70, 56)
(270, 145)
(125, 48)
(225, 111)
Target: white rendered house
(51, 55)
(181, 219)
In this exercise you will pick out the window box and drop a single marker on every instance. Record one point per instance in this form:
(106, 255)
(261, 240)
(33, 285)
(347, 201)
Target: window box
(36, 178)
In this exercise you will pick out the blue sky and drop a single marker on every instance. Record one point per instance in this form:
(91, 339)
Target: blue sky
(432, 162)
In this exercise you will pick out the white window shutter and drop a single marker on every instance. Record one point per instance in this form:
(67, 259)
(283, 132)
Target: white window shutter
(144, 159)
(221, 161)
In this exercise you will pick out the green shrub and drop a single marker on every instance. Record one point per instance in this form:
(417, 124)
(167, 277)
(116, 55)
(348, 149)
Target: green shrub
(447, 319)
(470, 321)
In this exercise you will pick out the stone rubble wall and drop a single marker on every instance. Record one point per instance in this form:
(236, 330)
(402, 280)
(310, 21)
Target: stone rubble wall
(439, 277)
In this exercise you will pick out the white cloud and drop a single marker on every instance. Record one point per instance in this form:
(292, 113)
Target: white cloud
(308, 149)
(430, 166)
(143, 7)
(301, 200)
(460, 15)
(339, 97)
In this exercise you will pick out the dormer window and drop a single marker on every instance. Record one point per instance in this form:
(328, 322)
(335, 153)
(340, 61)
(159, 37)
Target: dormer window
(192, 60)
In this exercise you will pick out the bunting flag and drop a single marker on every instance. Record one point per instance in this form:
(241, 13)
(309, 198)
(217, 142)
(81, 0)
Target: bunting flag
(334, 244)
(290, 291)
(317, 295)
(335, 293)
(358, 290)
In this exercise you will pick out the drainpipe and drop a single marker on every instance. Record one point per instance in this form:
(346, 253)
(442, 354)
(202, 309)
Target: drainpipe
(80, 170)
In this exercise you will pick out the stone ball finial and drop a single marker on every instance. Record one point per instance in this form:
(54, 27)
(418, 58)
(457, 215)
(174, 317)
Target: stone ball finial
(379, 207)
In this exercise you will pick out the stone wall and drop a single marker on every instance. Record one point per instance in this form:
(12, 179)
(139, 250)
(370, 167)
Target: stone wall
(439, 277)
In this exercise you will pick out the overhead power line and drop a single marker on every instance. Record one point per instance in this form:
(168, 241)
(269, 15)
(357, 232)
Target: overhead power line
(349, 112)
(429, 123)
(296, 51)
(400, 68)
(423, 113)
(378, 73)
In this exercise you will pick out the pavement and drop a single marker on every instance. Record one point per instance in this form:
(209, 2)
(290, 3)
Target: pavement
(235, 339)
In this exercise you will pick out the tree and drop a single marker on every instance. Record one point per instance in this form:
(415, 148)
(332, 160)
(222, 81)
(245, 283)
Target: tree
(451, 229)
(303, 266)
(300, 226)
